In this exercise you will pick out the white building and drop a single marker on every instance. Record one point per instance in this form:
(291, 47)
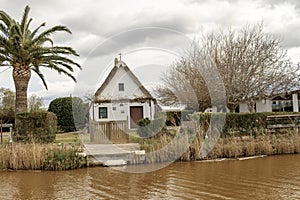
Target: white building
(282, 103)
(122, 97)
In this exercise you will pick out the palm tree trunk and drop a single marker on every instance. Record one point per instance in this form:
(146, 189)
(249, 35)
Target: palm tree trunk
(21, 76)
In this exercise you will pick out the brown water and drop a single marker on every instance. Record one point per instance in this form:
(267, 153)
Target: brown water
(276, 177)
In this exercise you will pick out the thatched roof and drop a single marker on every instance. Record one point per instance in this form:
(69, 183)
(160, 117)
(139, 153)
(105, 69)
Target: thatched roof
(121, 64)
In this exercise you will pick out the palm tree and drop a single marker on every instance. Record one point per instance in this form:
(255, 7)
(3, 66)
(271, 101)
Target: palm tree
(25, 51)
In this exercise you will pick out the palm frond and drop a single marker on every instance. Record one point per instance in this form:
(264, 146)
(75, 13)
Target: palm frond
(58, 50)
(38, 72)
(3, 58)
(4, 42)
(42, 41)
(5, 18)
(60, 70)
(3, 29)
(24, 24)
(16, 28)
(3, 52)
(26, 31)
(50, 31)
(67, 66)
(21, 46)
(57, 58)
(37, 29)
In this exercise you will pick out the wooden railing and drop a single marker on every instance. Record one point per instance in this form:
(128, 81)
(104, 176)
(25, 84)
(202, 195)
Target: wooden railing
(283, 122)
(109, 132)
(10, 126)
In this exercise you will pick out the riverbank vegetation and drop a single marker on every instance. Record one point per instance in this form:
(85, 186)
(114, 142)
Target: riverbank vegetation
(69, 112)
(64, 154)
(241, 135)
(165, 148)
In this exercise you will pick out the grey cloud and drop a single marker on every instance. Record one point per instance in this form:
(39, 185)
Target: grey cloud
(142, 38)
(16, 8)
(179, 22)
(276, 2)
(201, 2)
(289, 39)
(121, 36)
(93, 23)
(86, 23)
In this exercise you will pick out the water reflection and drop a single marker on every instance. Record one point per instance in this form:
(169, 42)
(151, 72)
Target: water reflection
(275, 177)
(32, 185)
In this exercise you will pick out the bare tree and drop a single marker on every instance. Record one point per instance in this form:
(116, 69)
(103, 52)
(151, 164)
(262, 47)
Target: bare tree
(7, 99)
(251, 63)
(7, 104)
(180, 84)
(35, 103)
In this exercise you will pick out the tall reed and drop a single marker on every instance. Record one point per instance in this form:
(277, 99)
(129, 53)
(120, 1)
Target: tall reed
(20, 156)
(165, 147)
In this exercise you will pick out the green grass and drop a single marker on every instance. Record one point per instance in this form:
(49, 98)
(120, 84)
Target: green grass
(66, 138)
(5, 137)
(135, 138)
(71, 137)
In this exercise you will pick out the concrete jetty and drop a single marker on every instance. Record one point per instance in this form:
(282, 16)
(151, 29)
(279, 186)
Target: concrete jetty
(113, 154)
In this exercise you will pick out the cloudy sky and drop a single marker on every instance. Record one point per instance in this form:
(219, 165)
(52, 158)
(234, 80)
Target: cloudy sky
(149, 34)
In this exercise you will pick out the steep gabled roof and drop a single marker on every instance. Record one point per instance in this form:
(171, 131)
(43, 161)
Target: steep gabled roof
(119, 64)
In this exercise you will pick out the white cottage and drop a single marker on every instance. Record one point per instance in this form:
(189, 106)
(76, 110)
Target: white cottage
(122, 97)
(288, 102)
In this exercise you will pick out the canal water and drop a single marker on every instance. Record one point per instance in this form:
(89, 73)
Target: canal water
(274, 177)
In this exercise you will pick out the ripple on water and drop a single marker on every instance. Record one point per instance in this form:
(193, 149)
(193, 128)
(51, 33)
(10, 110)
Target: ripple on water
(275, 177)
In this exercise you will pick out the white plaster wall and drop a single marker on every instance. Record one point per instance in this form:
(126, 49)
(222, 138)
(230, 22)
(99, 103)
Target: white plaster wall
(121, 112)
(131, 89)
(264, 105)
(295, 103)
(91, 111)
(148, 109)
(152, 110)
(244, 108)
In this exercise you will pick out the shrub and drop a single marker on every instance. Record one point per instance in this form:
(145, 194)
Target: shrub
(238, 123)
(174, 118)
(148, 128)
(62, 158)
(69, 112)
(7, 103)
(7, 118)
(39, 127)
(19, 156)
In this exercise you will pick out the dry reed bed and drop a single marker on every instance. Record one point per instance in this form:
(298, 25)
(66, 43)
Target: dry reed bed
(165, 149)
(18, 156)
(262, 145)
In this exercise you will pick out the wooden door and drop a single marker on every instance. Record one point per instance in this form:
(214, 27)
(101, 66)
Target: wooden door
(136, 114)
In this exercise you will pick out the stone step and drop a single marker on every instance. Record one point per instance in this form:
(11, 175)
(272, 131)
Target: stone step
(110, 163)
(113, 154)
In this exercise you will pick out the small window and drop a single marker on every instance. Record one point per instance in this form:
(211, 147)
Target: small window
(102, 113)
(121, 87)
(114, 108)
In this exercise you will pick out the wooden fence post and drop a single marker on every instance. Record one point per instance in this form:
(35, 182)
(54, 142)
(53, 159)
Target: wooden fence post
(92, 129)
